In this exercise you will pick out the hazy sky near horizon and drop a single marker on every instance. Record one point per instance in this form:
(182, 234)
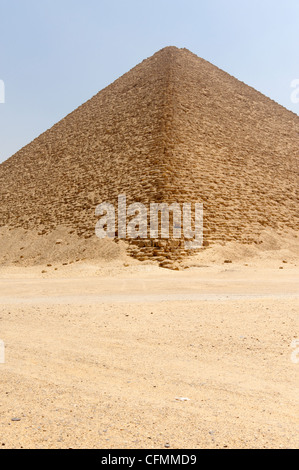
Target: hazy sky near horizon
(56, 54)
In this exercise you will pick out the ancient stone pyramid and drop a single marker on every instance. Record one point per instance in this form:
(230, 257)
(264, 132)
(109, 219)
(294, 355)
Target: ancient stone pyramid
(176, 129)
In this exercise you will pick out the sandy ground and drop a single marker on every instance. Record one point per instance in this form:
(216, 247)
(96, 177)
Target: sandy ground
(98, 357)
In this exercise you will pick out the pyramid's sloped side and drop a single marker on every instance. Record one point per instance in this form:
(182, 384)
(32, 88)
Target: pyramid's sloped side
(233, 149)
(174, 129)
(111, 145)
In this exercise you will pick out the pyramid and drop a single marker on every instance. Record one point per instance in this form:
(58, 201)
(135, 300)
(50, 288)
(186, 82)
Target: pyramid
(173, 129)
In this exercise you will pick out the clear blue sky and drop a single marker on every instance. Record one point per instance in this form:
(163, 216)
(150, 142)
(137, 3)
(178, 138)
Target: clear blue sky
(56, 54)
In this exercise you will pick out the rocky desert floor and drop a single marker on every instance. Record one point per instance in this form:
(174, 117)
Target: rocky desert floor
(136, 356)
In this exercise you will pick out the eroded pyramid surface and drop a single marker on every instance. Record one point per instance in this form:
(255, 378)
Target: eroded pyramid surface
(175, 129)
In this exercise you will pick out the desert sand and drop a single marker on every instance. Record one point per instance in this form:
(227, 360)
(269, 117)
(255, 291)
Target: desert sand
(101, 354)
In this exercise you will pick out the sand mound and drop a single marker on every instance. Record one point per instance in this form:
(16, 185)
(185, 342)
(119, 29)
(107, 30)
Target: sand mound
(21, 248)
(270, 249)
(25, 248)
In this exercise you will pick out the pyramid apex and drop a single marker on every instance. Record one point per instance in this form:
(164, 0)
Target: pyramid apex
(169, 48)
(172, 49)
